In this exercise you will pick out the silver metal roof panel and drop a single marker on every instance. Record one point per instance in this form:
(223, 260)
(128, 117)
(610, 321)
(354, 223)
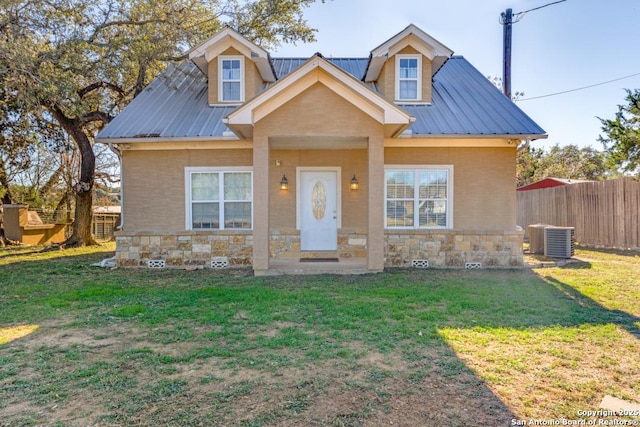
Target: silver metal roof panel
(464, 102)
(354, 66)
(174, 105)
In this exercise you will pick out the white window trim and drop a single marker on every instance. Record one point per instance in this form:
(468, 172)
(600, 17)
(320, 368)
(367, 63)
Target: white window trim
(419, 77)
(187, 194)
(416, 220)
(221, 80)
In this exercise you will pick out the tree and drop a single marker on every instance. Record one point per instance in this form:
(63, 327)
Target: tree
(78, 62)
(622, 134)
(569, 161)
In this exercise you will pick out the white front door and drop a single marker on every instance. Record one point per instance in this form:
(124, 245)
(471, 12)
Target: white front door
(318, 211)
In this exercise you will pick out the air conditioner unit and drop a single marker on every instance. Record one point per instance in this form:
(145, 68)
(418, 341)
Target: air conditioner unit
(536, 238)
(559, 242)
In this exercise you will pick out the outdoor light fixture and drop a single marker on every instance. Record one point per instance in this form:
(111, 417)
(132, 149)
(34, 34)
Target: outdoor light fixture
(354, 183)
(284, 183)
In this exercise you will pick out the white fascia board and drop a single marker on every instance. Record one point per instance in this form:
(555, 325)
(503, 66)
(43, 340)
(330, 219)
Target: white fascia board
(507, 136)
(251, 50)
(439, 49)
(220, 37)
(380, 54)
(375, 66)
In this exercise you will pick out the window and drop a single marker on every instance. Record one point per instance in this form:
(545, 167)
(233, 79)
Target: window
(219, 200)
(231, 87)
(409, 75)
(418, 197)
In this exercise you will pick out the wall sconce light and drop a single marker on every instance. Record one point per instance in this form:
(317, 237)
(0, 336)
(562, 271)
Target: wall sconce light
(284, 183)
(354, 183)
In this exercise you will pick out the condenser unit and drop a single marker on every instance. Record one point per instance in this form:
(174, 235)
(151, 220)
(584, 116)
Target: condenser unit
(536, 238)
(559, 242)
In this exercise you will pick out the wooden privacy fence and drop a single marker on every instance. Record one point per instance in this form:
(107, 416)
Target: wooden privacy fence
(604, 214)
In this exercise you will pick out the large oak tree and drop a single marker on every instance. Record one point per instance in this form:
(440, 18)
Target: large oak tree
(78, 62)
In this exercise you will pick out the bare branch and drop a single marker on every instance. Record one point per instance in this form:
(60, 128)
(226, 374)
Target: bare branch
(101, 85)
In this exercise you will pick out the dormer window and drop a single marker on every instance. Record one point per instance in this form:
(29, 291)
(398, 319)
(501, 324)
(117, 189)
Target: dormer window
(231, 81)
(408, 77)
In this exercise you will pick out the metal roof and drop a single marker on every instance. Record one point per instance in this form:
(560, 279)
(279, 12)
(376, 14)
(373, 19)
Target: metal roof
(354, 66)
(174, 105)
(464, 102)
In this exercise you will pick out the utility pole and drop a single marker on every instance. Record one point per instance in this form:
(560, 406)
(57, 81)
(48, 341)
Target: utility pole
(507, 23)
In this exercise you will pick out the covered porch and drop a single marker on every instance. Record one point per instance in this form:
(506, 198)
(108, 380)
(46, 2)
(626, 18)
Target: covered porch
(318, 208)
(318, 128)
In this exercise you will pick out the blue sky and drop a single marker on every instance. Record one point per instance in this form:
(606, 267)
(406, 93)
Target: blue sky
(569, 45)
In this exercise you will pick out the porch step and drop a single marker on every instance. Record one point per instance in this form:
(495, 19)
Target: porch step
(318, 254)
(295, 267)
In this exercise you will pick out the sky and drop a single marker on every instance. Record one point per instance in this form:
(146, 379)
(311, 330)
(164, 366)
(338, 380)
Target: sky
(557, 48)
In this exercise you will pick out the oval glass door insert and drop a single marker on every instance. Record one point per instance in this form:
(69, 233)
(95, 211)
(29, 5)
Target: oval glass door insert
(318, 200)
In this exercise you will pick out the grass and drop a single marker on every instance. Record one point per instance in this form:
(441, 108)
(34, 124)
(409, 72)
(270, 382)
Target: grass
(81, 345)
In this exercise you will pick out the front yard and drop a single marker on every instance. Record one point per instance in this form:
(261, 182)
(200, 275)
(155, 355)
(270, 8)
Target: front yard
(80, 345)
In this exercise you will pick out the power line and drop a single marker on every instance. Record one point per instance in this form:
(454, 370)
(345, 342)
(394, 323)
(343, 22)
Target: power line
(579, 88)
(540, 7)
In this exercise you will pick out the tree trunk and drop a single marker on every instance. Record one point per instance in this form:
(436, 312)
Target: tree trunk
(81, 234)
(4, 182)
(6, 200)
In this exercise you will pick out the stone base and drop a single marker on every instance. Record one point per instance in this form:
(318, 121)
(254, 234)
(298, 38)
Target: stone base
(206, 249)
(285, 244)
(453, 248)
(403, 248)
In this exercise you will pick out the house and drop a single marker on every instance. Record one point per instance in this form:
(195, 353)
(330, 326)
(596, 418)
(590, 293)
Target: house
(403, 158)
(550, 182)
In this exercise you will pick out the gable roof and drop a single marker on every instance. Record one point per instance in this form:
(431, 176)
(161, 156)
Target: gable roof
(423, 42)
(203, 53)
(464, 103)
(318, 69)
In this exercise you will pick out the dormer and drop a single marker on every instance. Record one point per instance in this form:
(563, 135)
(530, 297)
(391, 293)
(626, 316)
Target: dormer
(235, 67)
(403, 67)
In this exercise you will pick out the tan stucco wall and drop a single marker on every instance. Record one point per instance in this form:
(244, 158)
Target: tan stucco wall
(484, 182)
(154, 188)
(328, 115)
(252, 79)
(318, 111)
(283, 203)
(387, 79)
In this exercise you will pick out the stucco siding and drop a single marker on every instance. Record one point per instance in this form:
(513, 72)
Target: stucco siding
(387, 78)
(154, 187)
(252, 80)
(318, 111)
(283, 203)
(484, 182)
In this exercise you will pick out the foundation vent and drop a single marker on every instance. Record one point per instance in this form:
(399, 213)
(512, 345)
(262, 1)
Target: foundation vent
(156, 263)
(472, 265)
(420, 263)
(219, 262)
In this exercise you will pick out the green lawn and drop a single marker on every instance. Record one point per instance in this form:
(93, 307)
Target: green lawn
(80, 345)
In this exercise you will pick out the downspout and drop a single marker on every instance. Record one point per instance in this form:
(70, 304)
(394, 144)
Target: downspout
(118, 153)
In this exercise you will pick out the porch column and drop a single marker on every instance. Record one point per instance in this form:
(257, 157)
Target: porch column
(261, 235)
(375, 225)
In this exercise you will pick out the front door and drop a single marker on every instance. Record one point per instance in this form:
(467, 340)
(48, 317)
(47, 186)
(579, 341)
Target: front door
(318, 211)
